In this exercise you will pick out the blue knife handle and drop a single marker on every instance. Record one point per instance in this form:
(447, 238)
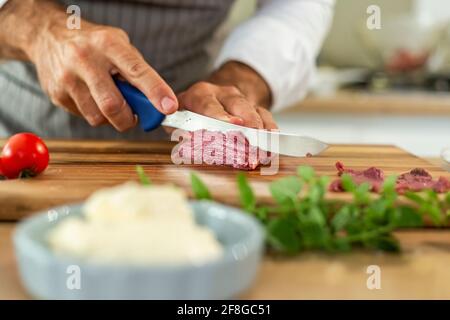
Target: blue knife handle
(149, 117)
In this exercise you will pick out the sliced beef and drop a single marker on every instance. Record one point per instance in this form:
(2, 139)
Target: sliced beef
(373, 176)
(417, 179)
(229, 148)
(442, 185)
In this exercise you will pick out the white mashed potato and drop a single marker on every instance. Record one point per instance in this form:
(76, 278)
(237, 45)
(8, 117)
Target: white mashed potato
(136, 224)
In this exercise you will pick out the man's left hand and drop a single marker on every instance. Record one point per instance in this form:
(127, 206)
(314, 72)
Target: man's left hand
(235, 93)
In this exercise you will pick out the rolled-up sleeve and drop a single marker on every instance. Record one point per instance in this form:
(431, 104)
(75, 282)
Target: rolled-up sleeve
(281, 42)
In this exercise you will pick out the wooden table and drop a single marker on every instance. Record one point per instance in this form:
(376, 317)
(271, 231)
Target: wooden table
(421, 272)
(79, 168)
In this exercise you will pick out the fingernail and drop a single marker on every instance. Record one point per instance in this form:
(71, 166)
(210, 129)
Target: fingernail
(95, 119)
(168, 105)
(236, 120)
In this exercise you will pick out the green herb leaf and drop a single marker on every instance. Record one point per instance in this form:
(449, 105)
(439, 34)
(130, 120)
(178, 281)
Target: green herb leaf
(434, 213)
(248, 199)
(306, 173)
(317, 216)
(347, 183)
(285, 189)
(262, 213)
(342, 244)
(199, 188)
(282, 235)
(407, 217)
(415, 197)
(314, 234)
(385, 243)
(361, 193)
(143, 178)
(341, 218)
(389, 185)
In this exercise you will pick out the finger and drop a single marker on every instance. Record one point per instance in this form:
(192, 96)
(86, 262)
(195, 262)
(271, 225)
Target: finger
(107, 97)
(239, 106)
(267, 118)
(86, 104)
(64, 101)
(208, 106)
(133, 68)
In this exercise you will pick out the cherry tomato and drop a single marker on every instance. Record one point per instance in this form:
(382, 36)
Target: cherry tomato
(24, 155)
(2, 176)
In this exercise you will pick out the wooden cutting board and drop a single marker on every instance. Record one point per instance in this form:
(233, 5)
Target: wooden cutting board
(78, 168)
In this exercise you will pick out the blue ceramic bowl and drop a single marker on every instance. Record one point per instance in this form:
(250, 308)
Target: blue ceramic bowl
(49, 276)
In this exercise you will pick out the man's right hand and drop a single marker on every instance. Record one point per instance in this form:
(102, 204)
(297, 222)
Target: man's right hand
(75, 68)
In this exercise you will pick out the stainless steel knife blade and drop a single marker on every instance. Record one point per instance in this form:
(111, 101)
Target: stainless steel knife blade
(272, 141)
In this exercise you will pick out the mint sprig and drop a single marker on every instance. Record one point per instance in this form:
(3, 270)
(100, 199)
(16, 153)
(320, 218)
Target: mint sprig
(302, 218)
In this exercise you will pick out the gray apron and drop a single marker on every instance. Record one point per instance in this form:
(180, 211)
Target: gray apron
(171, 34)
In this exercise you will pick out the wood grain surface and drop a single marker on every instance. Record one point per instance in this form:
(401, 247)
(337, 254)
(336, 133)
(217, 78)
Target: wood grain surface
(78, 168)
(420, 272)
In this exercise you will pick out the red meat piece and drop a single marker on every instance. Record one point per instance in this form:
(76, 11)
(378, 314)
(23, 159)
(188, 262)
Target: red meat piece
(373, 176)
(417, 179)
(229, 148)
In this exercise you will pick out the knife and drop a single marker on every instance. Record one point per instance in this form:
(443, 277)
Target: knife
(273, 141)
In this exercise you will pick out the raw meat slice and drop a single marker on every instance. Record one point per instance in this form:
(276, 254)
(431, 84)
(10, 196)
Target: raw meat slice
(373, 176)
(417, 179)
(229, 148)
(442, 185)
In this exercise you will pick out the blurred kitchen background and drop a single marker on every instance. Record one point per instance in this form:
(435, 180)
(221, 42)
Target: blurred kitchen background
(386, 86)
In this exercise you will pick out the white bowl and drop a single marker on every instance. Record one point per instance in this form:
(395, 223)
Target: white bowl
(46, 275)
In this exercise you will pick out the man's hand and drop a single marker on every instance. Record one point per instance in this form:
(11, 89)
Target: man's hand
(75, 67)
(235, 93)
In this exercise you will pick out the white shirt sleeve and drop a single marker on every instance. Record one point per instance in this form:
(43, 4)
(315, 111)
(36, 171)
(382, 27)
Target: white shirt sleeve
(281, 42)
(2, 3)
